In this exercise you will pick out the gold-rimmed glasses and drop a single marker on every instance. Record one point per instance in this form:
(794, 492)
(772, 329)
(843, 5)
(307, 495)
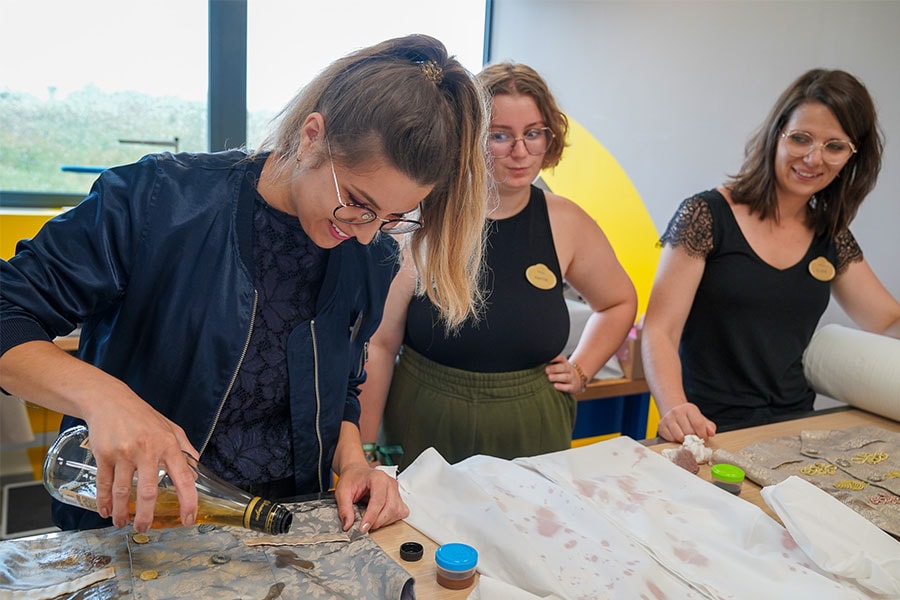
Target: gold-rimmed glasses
(834, 152)
(536, 141)
(357, 214)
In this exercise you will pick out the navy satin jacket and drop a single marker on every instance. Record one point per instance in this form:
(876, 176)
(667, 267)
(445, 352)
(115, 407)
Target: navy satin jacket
(155, 263)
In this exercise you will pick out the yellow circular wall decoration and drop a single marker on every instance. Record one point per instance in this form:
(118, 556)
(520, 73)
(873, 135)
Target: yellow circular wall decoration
(590, 176)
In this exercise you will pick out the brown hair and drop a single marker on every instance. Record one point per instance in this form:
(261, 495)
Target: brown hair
(835, 206)
(407, 100)
(514, 78)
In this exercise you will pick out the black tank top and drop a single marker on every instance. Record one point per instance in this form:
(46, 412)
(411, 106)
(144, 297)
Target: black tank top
(525, 322)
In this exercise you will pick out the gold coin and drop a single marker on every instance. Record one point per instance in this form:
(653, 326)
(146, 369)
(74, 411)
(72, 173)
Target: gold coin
(148, 575)
(821, 269)
(540, 276)
(140, 538)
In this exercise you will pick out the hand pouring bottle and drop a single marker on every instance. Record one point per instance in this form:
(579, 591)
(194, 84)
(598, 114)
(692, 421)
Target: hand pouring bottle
(70, 475)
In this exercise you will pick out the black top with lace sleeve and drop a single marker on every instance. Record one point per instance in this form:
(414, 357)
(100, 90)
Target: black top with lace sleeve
(742, 344)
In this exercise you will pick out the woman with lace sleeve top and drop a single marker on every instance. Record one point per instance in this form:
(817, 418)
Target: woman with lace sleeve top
(747, 269)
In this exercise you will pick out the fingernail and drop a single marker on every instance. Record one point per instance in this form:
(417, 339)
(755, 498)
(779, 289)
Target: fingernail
(364, 527)
(189, 520)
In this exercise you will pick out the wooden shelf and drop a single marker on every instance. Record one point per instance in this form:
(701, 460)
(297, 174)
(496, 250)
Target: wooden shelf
(611, 388)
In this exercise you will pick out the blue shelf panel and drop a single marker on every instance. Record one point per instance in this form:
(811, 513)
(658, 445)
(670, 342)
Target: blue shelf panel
(620, 414)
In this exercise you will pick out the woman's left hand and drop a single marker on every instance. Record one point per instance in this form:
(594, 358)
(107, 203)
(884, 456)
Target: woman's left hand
(384, 504)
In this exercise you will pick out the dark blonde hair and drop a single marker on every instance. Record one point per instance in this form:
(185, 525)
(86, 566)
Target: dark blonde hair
(514, 78)
(405, 99)
(835, 206)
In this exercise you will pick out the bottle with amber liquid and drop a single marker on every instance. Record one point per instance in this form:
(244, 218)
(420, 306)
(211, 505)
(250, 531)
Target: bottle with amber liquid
(70, 475)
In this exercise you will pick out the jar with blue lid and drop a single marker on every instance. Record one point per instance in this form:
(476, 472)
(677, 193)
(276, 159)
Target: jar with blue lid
(456, 565)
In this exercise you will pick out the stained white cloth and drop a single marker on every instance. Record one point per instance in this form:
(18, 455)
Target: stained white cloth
(609, 520)
(835, 537)
(856, 367)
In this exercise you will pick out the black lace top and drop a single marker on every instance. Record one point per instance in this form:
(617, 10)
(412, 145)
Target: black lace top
(742, 344)
(692, 228)
(251, 444)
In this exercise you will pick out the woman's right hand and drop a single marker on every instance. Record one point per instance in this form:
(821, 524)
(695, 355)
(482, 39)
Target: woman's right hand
(128, 436)
(685, 419)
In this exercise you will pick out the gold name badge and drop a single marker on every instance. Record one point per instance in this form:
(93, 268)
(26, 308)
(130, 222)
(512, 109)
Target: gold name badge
(821, 269)
(540, 276)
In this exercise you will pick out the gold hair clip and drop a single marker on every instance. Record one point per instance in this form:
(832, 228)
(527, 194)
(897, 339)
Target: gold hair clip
(433, 71)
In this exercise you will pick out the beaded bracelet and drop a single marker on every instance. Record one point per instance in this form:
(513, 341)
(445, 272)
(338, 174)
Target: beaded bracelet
(584, 379)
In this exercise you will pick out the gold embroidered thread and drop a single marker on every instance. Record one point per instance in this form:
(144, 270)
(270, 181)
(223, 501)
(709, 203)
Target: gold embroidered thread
(819, 469)
(892, 474)
(871, 458)
(850, 484)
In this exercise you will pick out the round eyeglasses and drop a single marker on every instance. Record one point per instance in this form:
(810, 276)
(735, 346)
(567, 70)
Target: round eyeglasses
(536, 141)
(355, 214)
(834, 152)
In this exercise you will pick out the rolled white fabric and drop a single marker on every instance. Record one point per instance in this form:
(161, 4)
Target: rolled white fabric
(856, 367)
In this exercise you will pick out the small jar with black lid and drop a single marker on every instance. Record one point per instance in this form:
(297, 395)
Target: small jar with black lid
(456, 565)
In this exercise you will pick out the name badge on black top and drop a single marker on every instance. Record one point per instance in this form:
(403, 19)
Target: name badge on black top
(821, 269)
(540, 276)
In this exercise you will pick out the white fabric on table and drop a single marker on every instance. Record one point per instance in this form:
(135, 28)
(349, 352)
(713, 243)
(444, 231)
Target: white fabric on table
(609, 520)
(836, 537)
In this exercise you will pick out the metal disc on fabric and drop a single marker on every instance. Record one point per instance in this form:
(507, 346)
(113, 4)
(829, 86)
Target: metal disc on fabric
(821, 269)
(540, 276)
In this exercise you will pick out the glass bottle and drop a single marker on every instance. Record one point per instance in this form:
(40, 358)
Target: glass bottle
(70, 475)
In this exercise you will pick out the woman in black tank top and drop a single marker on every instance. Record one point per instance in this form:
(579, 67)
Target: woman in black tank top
(747, 270)
(500, 385)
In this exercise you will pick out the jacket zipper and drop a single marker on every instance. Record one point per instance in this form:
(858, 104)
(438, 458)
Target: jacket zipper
(233, 375)
(312, 330)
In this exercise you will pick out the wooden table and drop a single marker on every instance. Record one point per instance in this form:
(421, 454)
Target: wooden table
(424, 570)
(840, 418)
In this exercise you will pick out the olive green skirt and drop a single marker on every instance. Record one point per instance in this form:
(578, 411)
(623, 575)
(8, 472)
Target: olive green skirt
(461, 413)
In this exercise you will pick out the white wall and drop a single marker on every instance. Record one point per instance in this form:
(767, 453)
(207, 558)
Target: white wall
(674, 89)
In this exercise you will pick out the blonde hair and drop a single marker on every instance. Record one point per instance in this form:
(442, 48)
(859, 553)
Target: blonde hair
(407, 100)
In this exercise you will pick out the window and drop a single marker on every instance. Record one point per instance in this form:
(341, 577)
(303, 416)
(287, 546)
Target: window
(289, 42)
(88, 84)
(95, 83)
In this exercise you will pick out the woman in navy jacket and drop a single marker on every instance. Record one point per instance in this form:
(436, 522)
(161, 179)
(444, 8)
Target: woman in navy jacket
(226, 299)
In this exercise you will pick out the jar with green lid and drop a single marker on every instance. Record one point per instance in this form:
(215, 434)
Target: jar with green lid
(728, 477)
